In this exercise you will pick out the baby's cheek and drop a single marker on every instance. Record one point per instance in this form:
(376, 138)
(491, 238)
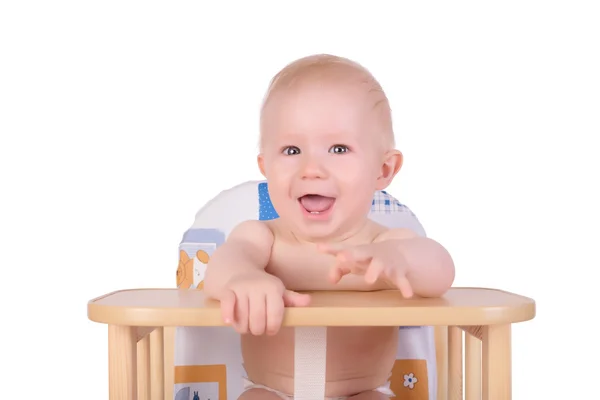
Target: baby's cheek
(283, 167)
(354, 173)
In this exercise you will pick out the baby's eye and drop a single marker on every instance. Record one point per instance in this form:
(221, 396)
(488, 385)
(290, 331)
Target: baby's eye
(291, 150)
(339, 149)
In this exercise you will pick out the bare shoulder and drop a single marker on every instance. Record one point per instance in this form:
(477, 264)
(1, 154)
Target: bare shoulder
(394, 233)
(256, 232)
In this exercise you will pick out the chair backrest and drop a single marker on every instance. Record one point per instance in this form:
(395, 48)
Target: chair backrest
(208, 361)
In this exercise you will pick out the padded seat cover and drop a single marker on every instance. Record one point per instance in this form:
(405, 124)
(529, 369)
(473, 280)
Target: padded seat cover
(208, 362)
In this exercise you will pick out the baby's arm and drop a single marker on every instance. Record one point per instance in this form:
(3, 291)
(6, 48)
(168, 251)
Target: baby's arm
(247, 248)
(430, 266)
(252, 300)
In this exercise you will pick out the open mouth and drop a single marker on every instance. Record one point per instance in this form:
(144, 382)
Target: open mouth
(316, 204)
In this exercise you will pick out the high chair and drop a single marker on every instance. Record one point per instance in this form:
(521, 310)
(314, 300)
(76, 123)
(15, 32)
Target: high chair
(171, 343)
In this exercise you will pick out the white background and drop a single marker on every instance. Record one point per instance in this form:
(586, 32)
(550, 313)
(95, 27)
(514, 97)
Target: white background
(120, 119)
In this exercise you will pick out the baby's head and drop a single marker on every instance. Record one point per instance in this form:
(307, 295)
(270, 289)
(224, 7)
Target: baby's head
(326, 130)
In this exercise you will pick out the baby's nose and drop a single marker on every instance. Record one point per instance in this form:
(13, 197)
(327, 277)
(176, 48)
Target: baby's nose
(313, 169)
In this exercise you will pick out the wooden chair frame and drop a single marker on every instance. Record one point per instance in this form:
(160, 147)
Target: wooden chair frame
(142, 327)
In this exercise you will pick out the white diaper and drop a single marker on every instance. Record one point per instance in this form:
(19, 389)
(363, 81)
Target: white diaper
(248, 384)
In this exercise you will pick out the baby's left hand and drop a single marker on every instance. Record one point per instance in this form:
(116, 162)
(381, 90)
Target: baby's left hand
(380, 260)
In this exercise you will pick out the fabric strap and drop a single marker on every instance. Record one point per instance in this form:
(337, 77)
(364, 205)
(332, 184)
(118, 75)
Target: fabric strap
(310, 354)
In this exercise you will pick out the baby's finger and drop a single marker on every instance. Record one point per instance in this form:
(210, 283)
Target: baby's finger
(241, 314)
(358, 254)
(257, 313)
(404, 286)
(275, 309)
(338, 271)
(374, 270)
(295, 299)
(227, 300)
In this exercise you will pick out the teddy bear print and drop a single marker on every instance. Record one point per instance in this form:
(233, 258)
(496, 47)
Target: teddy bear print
(190, 272)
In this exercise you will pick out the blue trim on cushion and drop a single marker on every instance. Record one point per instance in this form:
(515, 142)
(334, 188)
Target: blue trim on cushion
(266, 211)
(203, 235)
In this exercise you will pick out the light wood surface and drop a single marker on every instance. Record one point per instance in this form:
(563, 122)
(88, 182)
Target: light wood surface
(148, 317)
(185, 307)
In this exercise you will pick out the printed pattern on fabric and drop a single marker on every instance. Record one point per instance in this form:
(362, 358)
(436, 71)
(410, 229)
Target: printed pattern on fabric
(195, 250)
(195, 382)
(410, 379)
(266, 211)
(385, 203)
(201, 382)
(190, 272)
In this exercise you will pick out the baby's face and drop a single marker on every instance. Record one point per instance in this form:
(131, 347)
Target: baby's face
(322, 155)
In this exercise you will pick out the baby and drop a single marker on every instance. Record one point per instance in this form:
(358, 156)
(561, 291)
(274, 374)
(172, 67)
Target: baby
(326, 145)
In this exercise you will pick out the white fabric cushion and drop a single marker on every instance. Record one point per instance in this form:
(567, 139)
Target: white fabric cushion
(208, 362)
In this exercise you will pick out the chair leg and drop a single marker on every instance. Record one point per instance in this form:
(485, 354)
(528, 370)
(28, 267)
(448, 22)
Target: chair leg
(157, 368)
(472, 367)
(122, 362)
(497, 382)
(441, 355)
(143, 368)
(455, 365)
(169, 361)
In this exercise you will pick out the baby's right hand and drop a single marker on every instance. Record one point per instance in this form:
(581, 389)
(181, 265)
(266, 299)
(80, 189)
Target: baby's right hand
(254, 302)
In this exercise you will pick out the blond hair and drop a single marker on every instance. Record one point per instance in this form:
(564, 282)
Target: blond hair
(327, 67)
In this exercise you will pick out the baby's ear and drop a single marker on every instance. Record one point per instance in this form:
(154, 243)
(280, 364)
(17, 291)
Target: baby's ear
(392, 162)
(261, 164)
